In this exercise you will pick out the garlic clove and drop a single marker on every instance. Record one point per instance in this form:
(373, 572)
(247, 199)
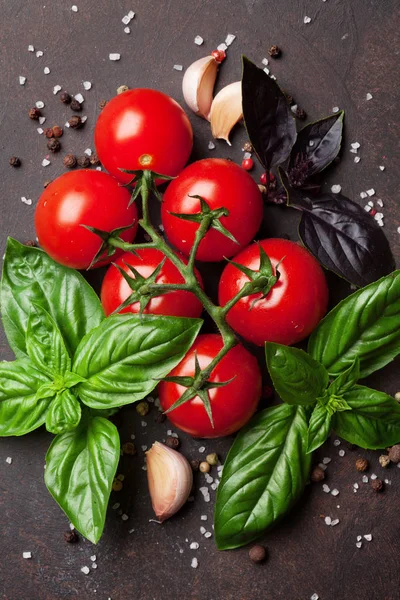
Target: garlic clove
(170, 480)
(198, 85)
(226, 111)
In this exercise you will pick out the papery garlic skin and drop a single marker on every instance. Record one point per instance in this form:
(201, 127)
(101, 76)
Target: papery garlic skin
(170, 480)
(226, 111)
(198, 85)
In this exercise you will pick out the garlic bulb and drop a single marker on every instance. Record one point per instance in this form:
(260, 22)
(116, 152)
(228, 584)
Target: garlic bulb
(226, 110)
(198, 85)
(170, 480)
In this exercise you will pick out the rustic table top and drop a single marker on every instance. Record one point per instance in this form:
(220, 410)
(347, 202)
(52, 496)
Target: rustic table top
(346, 51)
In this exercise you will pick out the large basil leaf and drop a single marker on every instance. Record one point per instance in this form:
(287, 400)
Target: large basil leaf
(373, 421)
(363, 325)
(64, 413)
(298, 378)
(20, 410)
(318, 428)
(342, 236)
(31, 276)
(123, 357)
(269, 122)
(80, 467)
(45, 344)
(316, 146)
(264, 474)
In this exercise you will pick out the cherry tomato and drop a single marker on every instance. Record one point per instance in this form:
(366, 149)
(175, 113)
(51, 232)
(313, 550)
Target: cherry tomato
(143, 129)
(82, 197)
(232, 405)
(293, 307)
(221, 183)
(115, 289)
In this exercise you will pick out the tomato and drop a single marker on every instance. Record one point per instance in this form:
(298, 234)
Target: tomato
(232, 405)
(82, 197)
(221, 183)
(115, 289)
(143, 129)
(293, 307)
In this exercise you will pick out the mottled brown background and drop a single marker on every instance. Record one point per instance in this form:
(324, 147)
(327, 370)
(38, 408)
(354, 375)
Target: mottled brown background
(347, 50)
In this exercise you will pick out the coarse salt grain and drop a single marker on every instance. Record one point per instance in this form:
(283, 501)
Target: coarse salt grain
(202, 449)
(337, 443)
(214, 486)
(211, 146)
(39, 104)
(387, 481)
(358, 544)
(353, 150)
(178, 67)
(124, 517)
(45, 162)
(326, 460)
(87, 85)
(94, 565)
(114, 56)
(335, 522)
(398, 231)
(198, 40)
(379, 202)
(88, 152)
(203, 518)
(335, 109)
(195, 563)
(322, 466)
(328, 520)
(46, 70)
(336, 189)
(39, 53)
(27, 201)
(222, 47)
(144, 448)
(335, 492)
(355, 486)
(22, 80)
(371, 203)
(265, 61)
(85, 570)
(371, 192)
(368, 96)
(144, 468)
(71, 526)
(363, 195)
(42, 120)
(9, 459)
(74, 8)
(208, 478)
(359, 538)
(143, 423)
(365, 479)
(31, 48)
(355, 145)
(307, 20)
(84, 119)
(247, 155)
(93, 558)
(368, 537)
(357, 159)
(194, 546)
(131, 14)
(314, 597)
(202, 530)
(79, 98)
(126, 20)
(373, 476)
(382, 167)
(341, 453)
(115, 506)
(27, 555)
(378, 216)
(326, 488)
(127, 29)
(230, 38)
(56, 89)
(207, 534)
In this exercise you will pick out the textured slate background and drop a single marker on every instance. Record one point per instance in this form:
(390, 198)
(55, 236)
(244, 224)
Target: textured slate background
(347, 50)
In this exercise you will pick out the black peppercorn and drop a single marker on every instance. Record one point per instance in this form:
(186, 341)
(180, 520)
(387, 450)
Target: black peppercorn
(54, 145)
(84, 162)
(34, 113)
(317, 475)
(362, 465)
(71, 537)
(195, 464)
(75, 105)
(70, 161)
(94, 160)
(275, 51)
(257, 553)
(75, 122)
(65, 98)
(48, 132)
(300, 114)
(15, 161)
(377, 485)
(102, 104)
(30, 243)
(57, 131)
(160, 417)
(247, 147)
(172, 442)
(394, 453)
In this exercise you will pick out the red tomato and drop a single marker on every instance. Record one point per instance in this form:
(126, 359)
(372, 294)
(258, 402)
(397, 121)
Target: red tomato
(232, 405)
(293, 307)
(115, 290)
(143, 129)
(221, 183)
(82, 197)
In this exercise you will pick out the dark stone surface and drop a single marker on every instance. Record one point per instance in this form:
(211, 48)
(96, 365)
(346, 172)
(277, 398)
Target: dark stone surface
(346, 51)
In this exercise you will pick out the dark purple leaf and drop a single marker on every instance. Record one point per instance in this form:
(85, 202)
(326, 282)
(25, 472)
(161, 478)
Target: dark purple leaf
(269, 122)
(342, 236)
(317, 145)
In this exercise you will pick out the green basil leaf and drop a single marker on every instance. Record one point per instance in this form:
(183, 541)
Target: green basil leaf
(365, 324)
(31, 276)
(374, 419)
(20, 410)
(80, 468)
(318, 428)
(71, 379)
(123, 358)
(346, 380)
(45, 344)
(298, 378)
(264, 474)
(64, 413)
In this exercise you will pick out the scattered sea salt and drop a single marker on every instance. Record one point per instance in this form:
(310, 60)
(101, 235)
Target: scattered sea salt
(230, 38)
(307, 20)
(144, 468)
(358, 544)
(88, 152)
(127, 29)
(27, 201)
(335, 522)
(115, 506)
(382, 167)
(207, 534)
(27, 555)
(22, 80)
(363, 195)
(355, 145)
(387, 481)
(194, 546)
(328, 520)
(143, 423)
(337, 443)
(124, 517)
(202, 530)
(93, 558)
(379, 202)
(114, 56)
(56, 89)
(74, 8)
(247, 155)
(39, 104)
(208, 478)
(45, 162)
(341, 452)
(211, 146)
(368, 537)
(85, 570)
(46, 70)
(222, 47)
(80, 98)
(356, 486)
(326, 488)
(314, 597)
(203, 518)
(357, 159)
(214, 486)
(178, 67)
(326, 460)
(266, 70)
(335, 109)
(87, 85)
(378, 216)
(365, 479)
(131, 14)
(368, 96)
(353, 150)
(336, 189)
(322, 466)
(94, 565)
(39, 53)
(131, 530)
(144, 448)
(126, 20)
(42, 120)
(71, 526)
(371, 192)
(202, 449)
(335, 492)
(198, 40)
(195, 563)
(31, 48)
(373, 476)
(265, 61)
(84, 119)
(9, 459)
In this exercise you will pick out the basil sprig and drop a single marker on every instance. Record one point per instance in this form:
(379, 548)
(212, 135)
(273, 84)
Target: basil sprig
(267, 467)
(74, 367)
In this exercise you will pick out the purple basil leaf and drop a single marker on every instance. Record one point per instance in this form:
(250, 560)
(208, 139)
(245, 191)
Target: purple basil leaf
(317, 145)
(269, 122)
(342, 236)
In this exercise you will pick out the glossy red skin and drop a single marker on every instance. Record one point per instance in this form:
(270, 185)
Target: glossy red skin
(221, 183)
(294, 306)
(82, 197)
(143, 122)
(115, 289)
(232, 405)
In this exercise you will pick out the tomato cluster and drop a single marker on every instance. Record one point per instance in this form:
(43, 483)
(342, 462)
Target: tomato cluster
(146, 130)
